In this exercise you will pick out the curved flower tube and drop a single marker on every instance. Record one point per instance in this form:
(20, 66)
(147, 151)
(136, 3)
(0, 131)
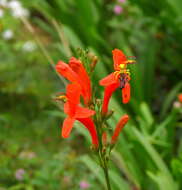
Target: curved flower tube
(89, 124)
(75, 72)
(107, 95)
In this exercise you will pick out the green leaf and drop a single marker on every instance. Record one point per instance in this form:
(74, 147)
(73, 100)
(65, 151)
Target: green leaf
(169, 98)
(161, 179)
(94, 168)
(154, 155)
(146, 114)
(169, 119)
(72, 37)
(176, 5)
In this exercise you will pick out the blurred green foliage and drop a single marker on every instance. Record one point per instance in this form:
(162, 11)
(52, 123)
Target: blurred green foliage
(149, 152)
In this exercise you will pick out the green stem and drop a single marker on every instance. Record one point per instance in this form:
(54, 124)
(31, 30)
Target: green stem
(106, 173)
(102, 154)
(103, 163)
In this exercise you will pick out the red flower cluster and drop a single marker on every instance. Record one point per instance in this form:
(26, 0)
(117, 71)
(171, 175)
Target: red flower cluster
(80, 85)
(75, 73)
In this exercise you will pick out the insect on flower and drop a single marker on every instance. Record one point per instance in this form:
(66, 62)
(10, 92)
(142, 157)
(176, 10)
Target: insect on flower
(118, 79)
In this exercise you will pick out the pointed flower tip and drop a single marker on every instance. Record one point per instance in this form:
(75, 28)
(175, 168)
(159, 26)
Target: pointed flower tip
(125, 101)
(61, 65)
(125, 118)
(64, 135)
(74, 60)
(117, 52)
(64, 70)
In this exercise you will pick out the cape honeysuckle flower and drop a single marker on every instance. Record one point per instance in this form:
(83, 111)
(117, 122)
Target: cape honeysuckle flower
(118, 79)
(122, 122)
(75, 72)
(75, 112)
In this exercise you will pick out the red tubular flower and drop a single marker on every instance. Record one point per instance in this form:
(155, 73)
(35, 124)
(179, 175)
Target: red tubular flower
(107, 95)
(75, 72)
(75, 112)
(119, 78)
(122, 122)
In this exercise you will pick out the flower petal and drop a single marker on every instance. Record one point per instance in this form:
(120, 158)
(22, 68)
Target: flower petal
(79, 69)
(66, 71)
(126, 93)
(107, 95)
(83, 112)
(89, 124)
(118, 58)
(108, 80)
(67, 126)
(73, 92)
(66, 108)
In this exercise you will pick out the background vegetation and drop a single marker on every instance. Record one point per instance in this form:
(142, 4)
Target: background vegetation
(34, 36)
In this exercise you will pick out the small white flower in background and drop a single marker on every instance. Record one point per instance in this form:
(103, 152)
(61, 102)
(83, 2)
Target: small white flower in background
(29, 46)
(14, 4)
(17, 10)
(1, 13)
(3, 3)
(8, 34)
(21, 12)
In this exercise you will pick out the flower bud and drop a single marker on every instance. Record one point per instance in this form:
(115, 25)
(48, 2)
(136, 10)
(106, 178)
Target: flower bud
(122, 122)
(104, 138)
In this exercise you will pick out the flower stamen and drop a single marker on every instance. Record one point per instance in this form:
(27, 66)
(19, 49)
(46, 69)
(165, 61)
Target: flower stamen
(62, 98)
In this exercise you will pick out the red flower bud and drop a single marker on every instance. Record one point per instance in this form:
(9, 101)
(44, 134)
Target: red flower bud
(104, 138)
(122, 122)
